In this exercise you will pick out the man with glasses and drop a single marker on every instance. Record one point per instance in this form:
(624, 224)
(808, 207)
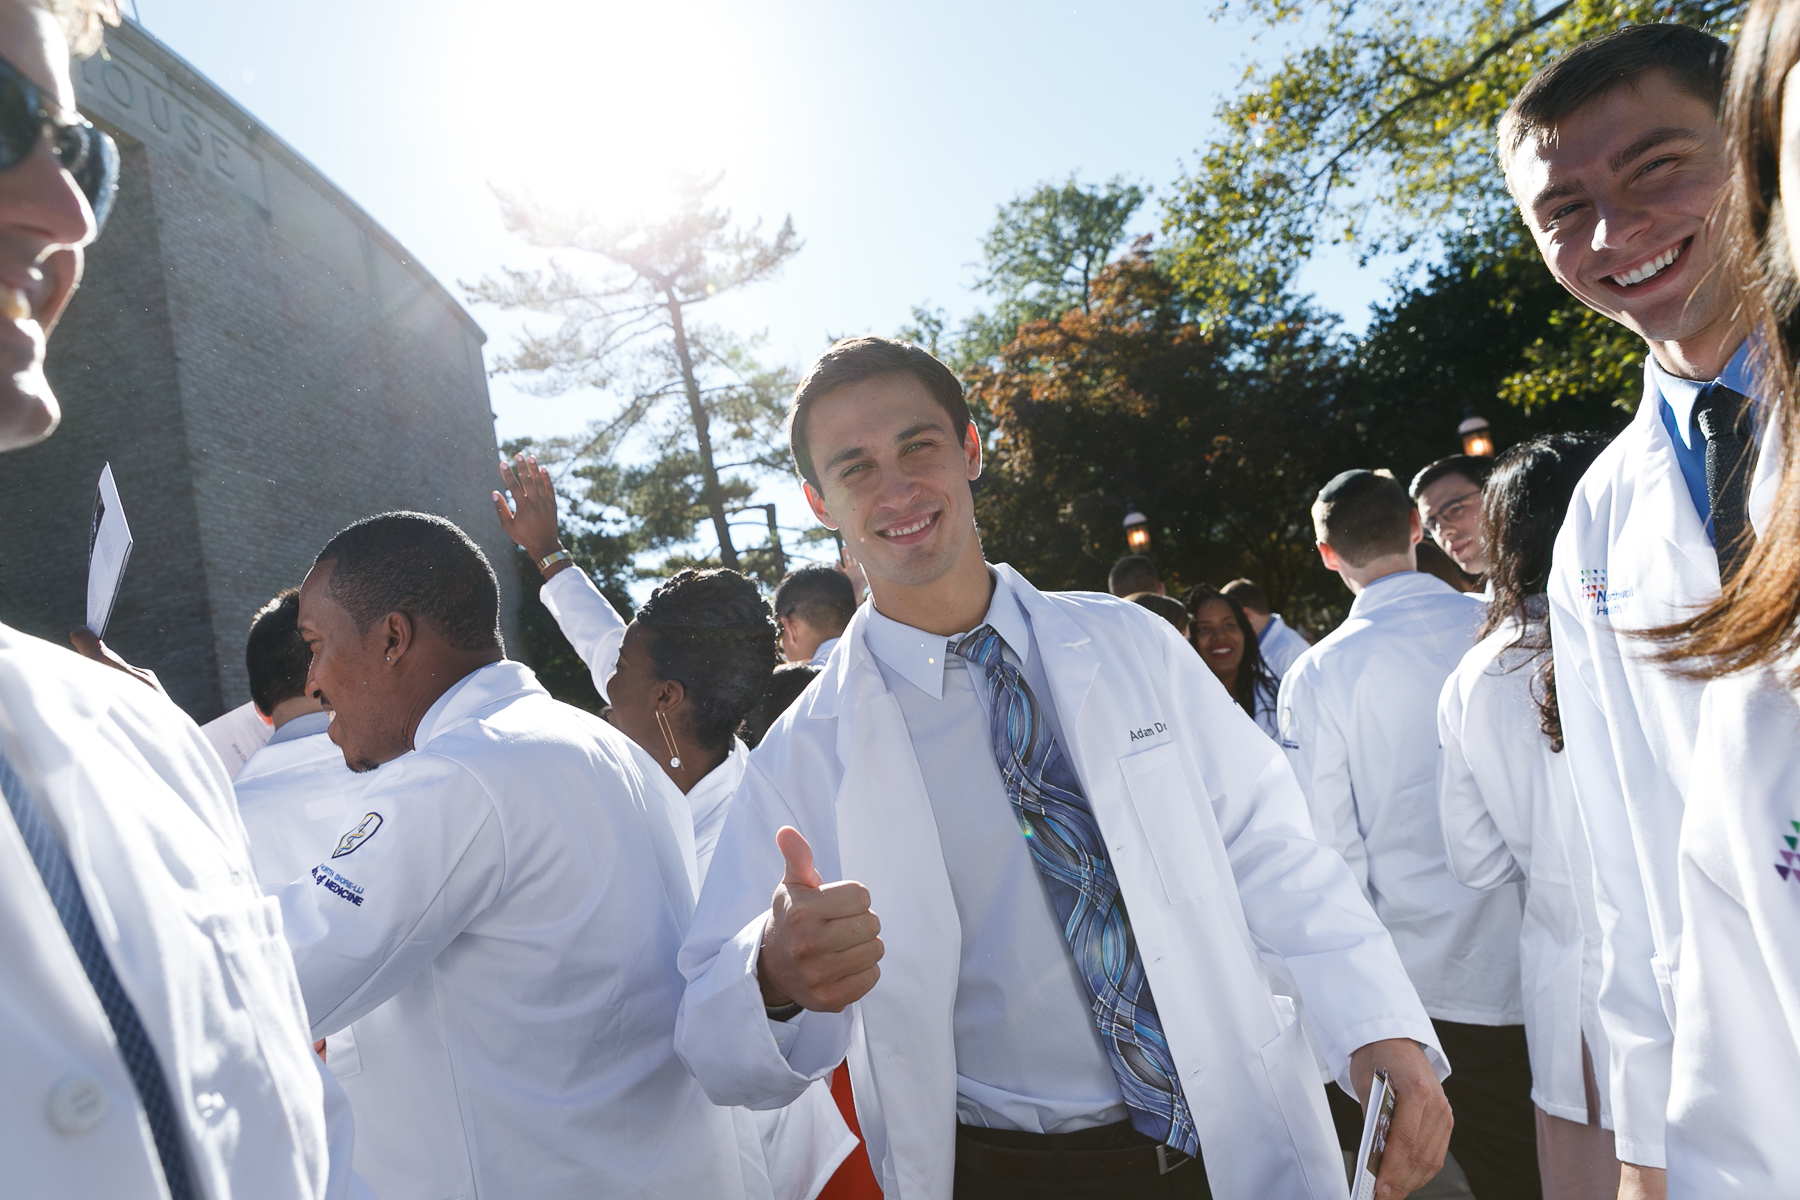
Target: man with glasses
(1448, 493)
(155, 1044)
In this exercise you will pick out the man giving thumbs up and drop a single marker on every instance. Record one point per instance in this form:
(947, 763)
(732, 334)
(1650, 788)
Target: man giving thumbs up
(1084, 853)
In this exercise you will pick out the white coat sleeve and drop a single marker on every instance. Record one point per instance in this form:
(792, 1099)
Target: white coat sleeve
(1479, 856)
(1302, 904)
(722, 1030)
(588, 619)
(368, 919)
(1637, 1029)
(1320, 756)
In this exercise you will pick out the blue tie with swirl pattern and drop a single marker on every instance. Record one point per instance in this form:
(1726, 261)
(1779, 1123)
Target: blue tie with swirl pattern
(134, 1042)
(1071, 856)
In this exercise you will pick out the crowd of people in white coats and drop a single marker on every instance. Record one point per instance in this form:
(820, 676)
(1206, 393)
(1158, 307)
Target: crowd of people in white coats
(1018, 893)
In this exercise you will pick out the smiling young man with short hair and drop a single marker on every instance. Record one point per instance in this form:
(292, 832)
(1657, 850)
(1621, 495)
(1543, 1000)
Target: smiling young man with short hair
(1615, 156)
(1003, 772)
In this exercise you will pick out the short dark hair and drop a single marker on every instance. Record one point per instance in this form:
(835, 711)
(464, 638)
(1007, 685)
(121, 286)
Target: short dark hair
(711, 632)
(275, 654)
(819, 594)
(420, 565)
(1472, 467)
(1247, 594)
(1167, 607)
(1694, 60)
(853, 360)
(1363, 515)
(785, 687)
(1133, 573)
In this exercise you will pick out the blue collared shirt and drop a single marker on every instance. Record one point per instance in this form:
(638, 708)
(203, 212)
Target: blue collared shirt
(1677, 412)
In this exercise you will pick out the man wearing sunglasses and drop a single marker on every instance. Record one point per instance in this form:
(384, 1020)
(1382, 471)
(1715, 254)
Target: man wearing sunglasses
(1448, 493)
(155, 1045)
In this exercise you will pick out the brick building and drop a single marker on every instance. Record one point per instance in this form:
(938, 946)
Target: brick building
(261, 363)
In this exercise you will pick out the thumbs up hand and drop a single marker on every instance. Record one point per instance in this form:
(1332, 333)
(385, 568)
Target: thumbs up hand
(821, 944)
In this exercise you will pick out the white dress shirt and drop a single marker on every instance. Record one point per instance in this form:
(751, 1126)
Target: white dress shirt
(1281, 644)
(294, 795)
(503, 935)
(1028, 1055)
(1508, 805)
(1359, 724)
(824, 651)
(143, 807)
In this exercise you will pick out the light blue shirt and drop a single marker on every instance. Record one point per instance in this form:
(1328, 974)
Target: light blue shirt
(1028, 1055)
(1677, 411)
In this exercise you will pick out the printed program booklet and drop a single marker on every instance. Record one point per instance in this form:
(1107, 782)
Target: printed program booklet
(1378, 1115)
(109, 549)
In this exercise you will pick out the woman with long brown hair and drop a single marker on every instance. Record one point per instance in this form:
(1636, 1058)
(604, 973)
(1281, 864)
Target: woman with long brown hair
(1506, 798)
(1220, 629)
(1734, 1100)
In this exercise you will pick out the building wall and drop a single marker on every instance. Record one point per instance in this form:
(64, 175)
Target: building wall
(262, 365)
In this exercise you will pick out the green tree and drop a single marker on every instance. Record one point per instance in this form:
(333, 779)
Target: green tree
(1377, 131)
(628, 325)
(1039, 260)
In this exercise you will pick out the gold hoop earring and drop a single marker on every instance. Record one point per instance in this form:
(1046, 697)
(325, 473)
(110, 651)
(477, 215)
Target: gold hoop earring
(669, 737)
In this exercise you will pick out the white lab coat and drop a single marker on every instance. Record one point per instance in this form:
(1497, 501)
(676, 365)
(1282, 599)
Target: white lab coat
(1632, 554)
(145, 811)
(501, 926)
(1215, 857)
(1508, 809)
(237, 734)
(1359, 724)
(1734, 1102)
(590, 622)
(1281, 645)
(802, 1144)
(805, 1142)
(294, 796)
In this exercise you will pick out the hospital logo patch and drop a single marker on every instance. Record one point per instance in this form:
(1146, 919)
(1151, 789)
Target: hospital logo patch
(1787, 868)
(337, 885)
(364, 830)
(1603, 600)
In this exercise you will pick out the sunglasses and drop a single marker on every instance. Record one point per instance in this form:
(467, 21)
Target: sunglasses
(86, 153)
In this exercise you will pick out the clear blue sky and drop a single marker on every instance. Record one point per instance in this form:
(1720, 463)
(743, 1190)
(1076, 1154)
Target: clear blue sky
(889, 133)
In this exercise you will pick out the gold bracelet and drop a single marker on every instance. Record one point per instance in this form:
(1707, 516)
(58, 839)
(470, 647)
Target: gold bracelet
(550, 560)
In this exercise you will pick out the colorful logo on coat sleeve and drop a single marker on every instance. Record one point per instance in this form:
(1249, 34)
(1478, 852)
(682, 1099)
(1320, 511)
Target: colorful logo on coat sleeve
(364, 830)
(1602, 600)
(1787, 868)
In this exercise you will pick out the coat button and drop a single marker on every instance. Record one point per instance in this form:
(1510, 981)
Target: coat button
(77, 1104)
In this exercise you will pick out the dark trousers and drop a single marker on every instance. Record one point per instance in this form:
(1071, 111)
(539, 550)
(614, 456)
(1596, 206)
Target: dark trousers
(1186, 1182)
(1495, 1138)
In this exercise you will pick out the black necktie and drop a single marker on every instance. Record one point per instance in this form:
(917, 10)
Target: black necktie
(1724, 420)
(134, 1043)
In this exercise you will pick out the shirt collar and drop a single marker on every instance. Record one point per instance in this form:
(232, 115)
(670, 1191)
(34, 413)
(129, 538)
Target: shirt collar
(299, 727)
(824, 650)
(919, 656)
(1681, 394)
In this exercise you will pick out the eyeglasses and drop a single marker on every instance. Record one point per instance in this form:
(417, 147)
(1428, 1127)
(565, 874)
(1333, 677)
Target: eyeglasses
(89, 155)
(1450, 513)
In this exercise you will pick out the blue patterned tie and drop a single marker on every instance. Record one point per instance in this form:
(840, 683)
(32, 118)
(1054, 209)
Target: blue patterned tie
(134, 1044)
(1071, 856)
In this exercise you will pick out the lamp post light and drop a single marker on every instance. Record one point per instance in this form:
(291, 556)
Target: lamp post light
(1137, 531)
(1477, 438)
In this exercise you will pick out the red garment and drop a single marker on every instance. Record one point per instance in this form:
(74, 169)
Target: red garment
(853, 1179)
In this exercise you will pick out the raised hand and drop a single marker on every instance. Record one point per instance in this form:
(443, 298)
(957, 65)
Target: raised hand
(88, 644)
(533, 525)
(821, 944)
(1420, 1132)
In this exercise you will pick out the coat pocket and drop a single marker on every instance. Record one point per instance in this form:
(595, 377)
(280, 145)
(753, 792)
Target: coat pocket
(1165, 800)
(1288, 1063)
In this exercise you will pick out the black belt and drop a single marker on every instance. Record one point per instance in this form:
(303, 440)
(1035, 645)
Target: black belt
(1105, 1151)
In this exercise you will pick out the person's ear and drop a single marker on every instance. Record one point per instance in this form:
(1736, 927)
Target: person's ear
(397, 635)
(816, 502)
(1416, 528)
(668, 696)
(972, 451)
(1332, 561)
